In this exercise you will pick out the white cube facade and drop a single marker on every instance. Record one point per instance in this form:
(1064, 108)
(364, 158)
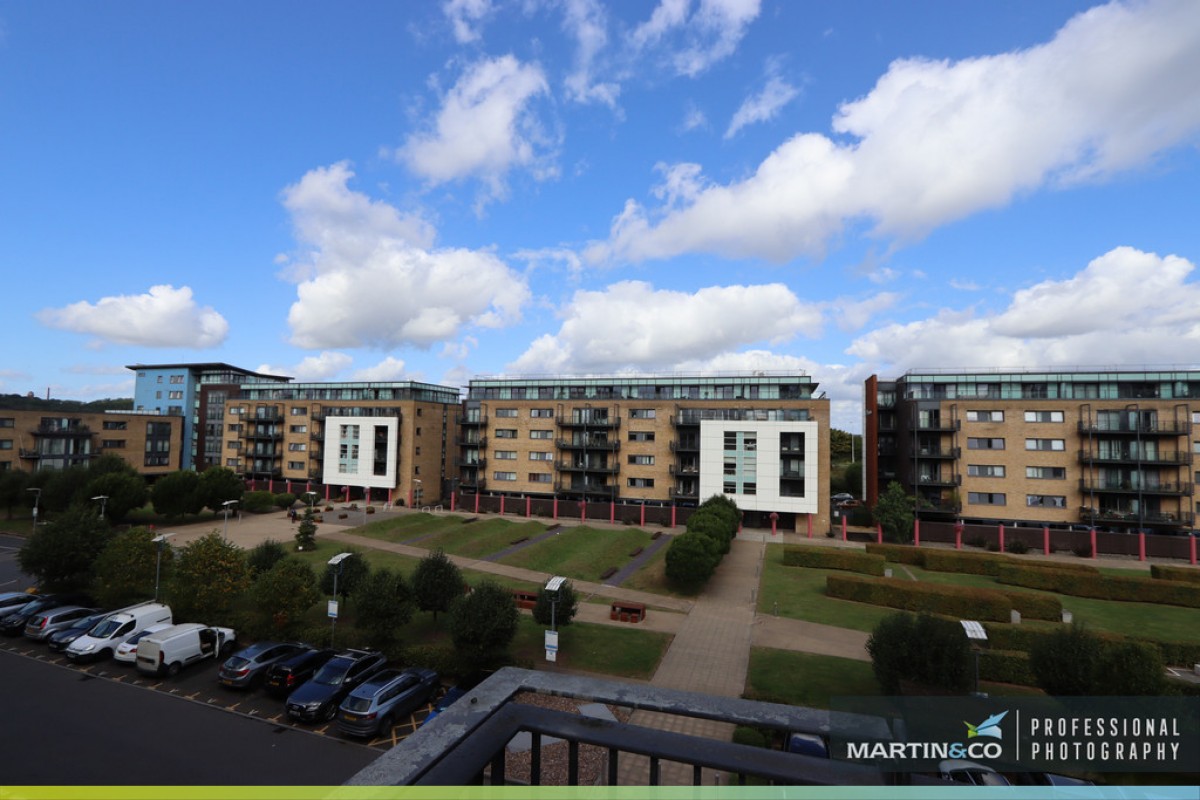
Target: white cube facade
(362, 451)
(761, 465)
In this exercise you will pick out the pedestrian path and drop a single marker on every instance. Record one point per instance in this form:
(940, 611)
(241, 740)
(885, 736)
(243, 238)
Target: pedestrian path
(530, 540)
(638, 561)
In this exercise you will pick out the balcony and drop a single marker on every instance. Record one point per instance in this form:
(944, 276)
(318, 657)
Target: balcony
(686, 446)
(470, 441)
(603, 423)
(470, 463)
(1175, 458)
(70, 429)
(1156, 428)
(689, 469)
(607, 446)
(1129, 487)
(940, 480)
(263, 433)
(602, 491)
(937, 452)
(792, 474)
(273, 415)
(684, 493)
(1119, 516)
(474, 482)
(570, 466)
(938, 425)
(470, 419)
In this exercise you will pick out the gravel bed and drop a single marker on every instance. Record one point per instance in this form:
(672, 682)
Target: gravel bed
(593, 760)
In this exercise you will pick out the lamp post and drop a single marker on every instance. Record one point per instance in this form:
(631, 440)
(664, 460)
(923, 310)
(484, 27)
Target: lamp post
(161, 539)
(312, 499)
(103, 498)
(37, 496)
(553, 586)
(336, 561)
(226, 506)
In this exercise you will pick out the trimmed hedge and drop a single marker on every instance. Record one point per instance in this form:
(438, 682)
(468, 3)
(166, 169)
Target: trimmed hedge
(1035, 606)
(900, 553)
(1006, 666)
(956, 601)
(1023, 637)
(1168, 573)
(1102, 587)
(834, 558)
(969, 563)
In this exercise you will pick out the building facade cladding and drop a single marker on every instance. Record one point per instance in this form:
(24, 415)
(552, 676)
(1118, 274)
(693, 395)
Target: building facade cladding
(30, 440)
(1111, 449)
(296, 433)
(654, 439)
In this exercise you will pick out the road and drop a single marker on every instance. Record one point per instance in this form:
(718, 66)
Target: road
(65, 727)
(11, 577)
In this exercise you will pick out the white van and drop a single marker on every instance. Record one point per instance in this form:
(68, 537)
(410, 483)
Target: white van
(168, 651)
(111, 632)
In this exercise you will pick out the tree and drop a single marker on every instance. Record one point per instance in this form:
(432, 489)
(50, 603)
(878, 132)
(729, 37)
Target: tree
(285, 592)
(1130, 669)
(725, 509)
(385, 605)
(177, 494)
(714, 525)
(925, 649)
(351, 573)
(690, 561)
(263, 556)
(62, 554)
(124, 492)
(13, 483)
(566, 605)
(483, 623)
(436, 582)
(1066, 661)
(210, 576)
(891, 647)
(126, 568)
(894, 513)
(218, 484)
(306, 531)
(62, 488)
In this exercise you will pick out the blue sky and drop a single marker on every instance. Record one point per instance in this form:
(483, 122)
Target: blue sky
(436, 191)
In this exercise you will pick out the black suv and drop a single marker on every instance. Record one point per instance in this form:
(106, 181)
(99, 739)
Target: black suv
(288, 674)
(319, 698)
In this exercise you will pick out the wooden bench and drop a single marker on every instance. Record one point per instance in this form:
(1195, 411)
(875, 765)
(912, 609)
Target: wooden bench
(524, 599)
(627, 612)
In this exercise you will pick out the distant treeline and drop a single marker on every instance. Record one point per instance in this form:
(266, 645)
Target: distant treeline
(18, 402)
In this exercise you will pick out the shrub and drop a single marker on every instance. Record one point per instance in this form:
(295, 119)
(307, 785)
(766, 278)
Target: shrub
(1035, 606)
(258, 502)
(564, 608)
(969, 563)
(1082, 550)
(436, 582)
(1130, 669)
(953, 601)
(903, 554)
(752, 737)
(1101, 587)
(263, 556)
(928, 650)
(1017, 546)
(285, 500)
(1006, 666)
(1065, 662)
(1172, 573)
(483, 623)
(306, 531)
(691, 560)
(834, 558)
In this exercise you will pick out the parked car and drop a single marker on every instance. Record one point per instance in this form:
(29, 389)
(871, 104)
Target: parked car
(248, 667)
(970, 772)
(61, 639)
(11, 602)
(171, 649)
(288, 674)
(383, 698)
(126, 653)
(445, 701)
(319, 698)
(111, 632)
(808, 744)
(14, 623)
(49, 620)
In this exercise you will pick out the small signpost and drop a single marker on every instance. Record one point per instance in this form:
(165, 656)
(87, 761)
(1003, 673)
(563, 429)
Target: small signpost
(551, 645)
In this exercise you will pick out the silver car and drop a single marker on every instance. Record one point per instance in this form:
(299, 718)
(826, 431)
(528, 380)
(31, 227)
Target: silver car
(42, 624)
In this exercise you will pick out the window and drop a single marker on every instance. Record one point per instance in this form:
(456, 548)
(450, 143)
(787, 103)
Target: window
(536, 456)
(235, 427)
(641, 483)
(641, 436)
(985, 416)
(109, 425)
(974, 443)
(985, 470)
(295, 465)
(233, 445)
(1045, 500)
(175, 395)
(233, 463)
(641, 413)
(506, 433)
(418, 431)
(1045, 444)
(506, 455)
(298, 429)
(1046, 473)
(540, 477)
(507, 413)
(299, 411)
(504, 476)
(1044, 416)
(541, 434)
(9, 422)
(641, 460)
(107, 444)
(541, 413)
(176, 379)
(985, 498)
(159, 379)
(297, 447)
(7, 444)
(749, 488)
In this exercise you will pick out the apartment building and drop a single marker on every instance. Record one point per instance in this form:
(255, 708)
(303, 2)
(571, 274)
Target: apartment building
(33, 439)
(1113, 449)
(762, 439)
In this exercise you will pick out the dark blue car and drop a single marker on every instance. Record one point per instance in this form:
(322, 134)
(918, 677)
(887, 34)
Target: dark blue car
(319, 698)
(387, 696)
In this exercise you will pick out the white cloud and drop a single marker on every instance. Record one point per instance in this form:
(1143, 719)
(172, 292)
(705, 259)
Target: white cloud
(633, 325)
(1125, 307)
(693, 119)
(364, 286)
(696, 40)
(485, 128)
(586, 21)
(162, 317)
(851, 315)
(465, 17)
(389, 369)
(935, 141)
(762, 106)
(965, 285)
(320, 367)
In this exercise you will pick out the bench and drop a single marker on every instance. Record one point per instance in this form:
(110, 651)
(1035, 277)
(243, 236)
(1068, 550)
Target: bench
(524, 599)
(627, 612)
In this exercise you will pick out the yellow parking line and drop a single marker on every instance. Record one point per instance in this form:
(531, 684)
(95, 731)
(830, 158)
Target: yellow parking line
(233, 707)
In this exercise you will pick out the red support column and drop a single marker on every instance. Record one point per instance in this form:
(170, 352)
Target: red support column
(327, 488)
(410, 498)
(1193, 546)
(916, 531)
(453, 497)
(476, 502)
(1046, 540)
(879, 532)
(1000, 528)
(643, 522)
(843, 527)
(528, 507)
(583, 510)
(288, 486)
(810, 526)
(502, 504)
(774, 519)
(555, 513)
(1093, 542)
(391, 494)
(958, 528)
(271, 485)
(1141, 545)
(672, 515)
(612, 512)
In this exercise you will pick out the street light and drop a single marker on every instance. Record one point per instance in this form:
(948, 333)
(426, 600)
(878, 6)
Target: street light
(552, 589)
(103, 498)
(228, 504)
(161, 540)
(312, 499)
(336, 561)
(37, 495)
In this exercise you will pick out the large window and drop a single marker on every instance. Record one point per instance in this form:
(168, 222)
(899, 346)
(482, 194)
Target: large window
(641, 436)
(1046, 473)
(536, 456)
(1046, 500)
(540, 477)
(506, 455)
(985, 470)
(504, 476)
(541, 434)
(641, 460)
(506, 433)
(977, 443)
(641, 483)
(986, 498)
(506, 412)
(641, 413)
(1044, 416)
(541, 413)
(985, 416)
(1046, 444)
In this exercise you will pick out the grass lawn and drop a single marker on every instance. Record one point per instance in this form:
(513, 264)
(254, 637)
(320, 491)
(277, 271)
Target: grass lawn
(652, 576)
(406, 526)
(800, 594)
(482, 538)
(581, 552)
(602, 649)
